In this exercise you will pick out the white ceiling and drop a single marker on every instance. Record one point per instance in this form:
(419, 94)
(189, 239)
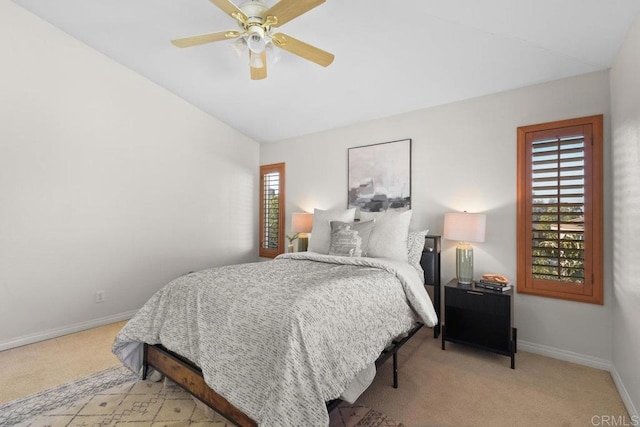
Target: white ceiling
(392, 56)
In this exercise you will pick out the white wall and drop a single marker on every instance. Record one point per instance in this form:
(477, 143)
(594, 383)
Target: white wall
(464, 158)
(625, 105)
(107, 182)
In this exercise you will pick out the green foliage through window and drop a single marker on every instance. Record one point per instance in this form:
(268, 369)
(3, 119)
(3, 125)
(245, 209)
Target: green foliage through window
(557, 192)
(272, 214)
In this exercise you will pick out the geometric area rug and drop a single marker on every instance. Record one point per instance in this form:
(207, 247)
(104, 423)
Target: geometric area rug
(142, 403)
(21, 409)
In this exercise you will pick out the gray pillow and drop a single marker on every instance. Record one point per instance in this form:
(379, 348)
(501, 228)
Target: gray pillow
(321, 231)
(350, 238)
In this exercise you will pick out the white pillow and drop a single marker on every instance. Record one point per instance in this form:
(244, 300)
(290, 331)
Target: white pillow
(320, 238)
(415, 246)
(390, 233)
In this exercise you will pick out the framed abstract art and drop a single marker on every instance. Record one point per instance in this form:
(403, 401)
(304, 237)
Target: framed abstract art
(380, 176)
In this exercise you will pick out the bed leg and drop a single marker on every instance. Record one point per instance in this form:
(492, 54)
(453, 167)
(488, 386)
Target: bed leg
(395, 369)
(145, 365)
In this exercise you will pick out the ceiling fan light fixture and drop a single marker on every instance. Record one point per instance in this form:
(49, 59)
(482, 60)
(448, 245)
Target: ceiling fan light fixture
(255, 39)
(256, 43)
(255, 60)
(240, 46)
(274, 54)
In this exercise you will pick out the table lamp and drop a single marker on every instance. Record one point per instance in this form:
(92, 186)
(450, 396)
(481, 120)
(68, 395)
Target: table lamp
(302, 223)
(464, 227)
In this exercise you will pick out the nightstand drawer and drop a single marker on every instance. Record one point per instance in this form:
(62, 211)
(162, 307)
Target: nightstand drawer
(469, 299)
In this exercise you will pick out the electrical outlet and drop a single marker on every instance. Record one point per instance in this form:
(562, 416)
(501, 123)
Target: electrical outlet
(99, 296)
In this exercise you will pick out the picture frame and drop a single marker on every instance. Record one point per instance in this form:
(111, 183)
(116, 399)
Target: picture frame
(380, 176)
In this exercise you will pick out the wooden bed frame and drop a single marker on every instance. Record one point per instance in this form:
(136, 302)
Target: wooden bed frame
(187, 375)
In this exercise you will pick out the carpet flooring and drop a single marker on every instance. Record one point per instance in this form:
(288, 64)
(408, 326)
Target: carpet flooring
(92, 401)
(39, 366)
(458, 387)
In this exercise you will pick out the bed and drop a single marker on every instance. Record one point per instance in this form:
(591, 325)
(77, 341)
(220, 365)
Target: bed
(280, 342)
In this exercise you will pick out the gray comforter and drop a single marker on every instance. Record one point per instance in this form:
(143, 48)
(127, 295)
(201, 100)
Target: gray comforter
(279, 338)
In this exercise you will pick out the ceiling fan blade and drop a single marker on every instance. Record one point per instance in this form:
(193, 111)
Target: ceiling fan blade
(286, 10)
(303, 49)
(258, 73)
(205, 38)
(231, 9)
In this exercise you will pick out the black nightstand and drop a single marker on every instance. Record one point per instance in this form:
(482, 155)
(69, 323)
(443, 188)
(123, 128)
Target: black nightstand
(479, 318)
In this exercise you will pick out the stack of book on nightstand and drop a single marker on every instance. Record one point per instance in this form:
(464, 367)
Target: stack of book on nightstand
(493, 285)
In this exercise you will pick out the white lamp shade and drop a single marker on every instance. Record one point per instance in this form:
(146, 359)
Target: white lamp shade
(464, 227)
(302, 222)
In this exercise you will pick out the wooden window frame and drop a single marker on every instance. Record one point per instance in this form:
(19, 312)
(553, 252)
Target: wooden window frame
(592, 290)
(264, 170)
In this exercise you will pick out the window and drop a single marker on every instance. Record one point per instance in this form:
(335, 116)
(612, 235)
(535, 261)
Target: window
(271, 210)
(560, 209)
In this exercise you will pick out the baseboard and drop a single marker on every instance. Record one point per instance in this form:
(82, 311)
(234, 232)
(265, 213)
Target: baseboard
(568, 356)
(58, 332)
(624, 394)
(593, 362)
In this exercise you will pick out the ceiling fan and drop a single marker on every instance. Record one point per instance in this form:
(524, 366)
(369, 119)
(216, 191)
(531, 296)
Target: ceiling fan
(257, 22)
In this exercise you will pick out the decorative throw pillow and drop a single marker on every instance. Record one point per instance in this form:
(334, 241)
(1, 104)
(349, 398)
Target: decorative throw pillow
(321, 230)
(350, 238)
(390, 233)
(415, 246)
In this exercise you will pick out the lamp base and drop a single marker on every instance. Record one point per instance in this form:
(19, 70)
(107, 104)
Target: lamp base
(303, 244)
(464, 263)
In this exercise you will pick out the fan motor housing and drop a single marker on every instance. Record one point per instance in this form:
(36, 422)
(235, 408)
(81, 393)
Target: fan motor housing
(254, 10)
